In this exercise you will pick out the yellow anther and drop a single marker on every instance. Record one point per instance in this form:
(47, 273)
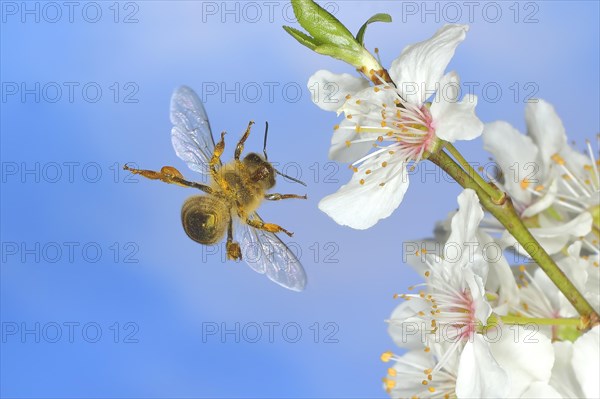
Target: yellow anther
(376, 89)
(427, 349)
(381, 184)
(368, 172)
(349, 116)
(336, 127)
(380, 139)
(383, 123)
(522, 268)
(431, 389)
(427, 273)
(386, 356)
(348, 142)
(358, 102)
(392, 372)
(384, 164)
(424, 250)
(362, 181)
(389, 384)
(540, 188)
(348, 96)
(558, 159)
(524, 184)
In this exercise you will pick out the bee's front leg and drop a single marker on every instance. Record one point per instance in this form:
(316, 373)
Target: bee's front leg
(240, 145)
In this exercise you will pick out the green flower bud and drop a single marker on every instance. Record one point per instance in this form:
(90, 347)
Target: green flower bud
(328, 36)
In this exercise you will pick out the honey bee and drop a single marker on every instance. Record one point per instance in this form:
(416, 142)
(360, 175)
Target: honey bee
(234, 193)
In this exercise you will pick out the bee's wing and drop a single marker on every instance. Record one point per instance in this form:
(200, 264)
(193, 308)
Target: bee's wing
(191, 135)
(265, 253)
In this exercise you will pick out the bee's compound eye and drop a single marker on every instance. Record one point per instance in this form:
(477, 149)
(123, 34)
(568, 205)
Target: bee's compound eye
(204, 219)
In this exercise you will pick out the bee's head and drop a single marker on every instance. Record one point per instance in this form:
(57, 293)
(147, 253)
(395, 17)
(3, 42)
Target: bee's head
(260, 169)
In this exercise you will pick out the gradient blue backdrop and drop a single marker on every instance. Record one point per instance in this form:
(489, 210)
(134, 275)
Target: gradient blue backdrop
(170, 294)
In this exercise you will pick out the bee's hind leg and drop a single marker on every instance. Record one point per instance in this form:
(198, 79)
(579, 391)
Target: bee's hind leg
(240, 145)
(270, 227)
(233, 248)
(170, 175)
(277, 196)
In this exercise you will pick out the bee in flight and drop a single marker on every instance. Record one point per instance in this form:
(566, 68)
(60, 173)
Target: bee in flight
(233, 195)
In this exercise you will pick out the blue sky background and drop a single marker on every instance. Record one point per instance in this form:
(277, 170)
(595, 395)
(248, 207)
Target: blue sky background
(176, 289)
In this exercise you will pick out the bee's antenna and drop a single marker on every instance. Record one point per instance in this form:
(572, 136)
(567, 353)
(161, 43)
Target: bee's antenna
(290, 177)
(265, 142)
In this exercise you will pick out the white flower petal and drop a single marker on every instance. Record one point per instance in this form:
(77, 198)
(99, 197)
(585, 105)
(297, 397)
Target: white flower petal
(481, 308)
(563, 377)
(348, 144)
(500, 278)
(553, 235)
(465, 222)
(542, 203)
(546, 129)
(541, 390)
(407, 328)
(410, 362)
(479, 375)
(340, 151)
(328, 90)
(525, 355)
(420, 66)
(362, 205)
(454, 120)
(514, 153)
(586, 361)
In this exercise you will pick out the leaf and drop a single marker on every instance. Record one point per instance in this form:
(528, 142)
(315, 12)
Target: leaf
(302, 37)
(375, 18)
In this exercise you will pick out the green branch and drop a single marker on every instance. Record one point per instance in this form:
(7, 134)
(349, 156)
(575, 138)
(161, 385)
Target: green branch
(506, 214)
